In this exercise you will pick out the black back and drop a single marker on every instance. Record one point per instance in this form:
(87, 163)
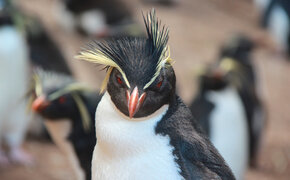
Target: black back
(196, 156)
(83, 140)
(201, 109)
(44, 52)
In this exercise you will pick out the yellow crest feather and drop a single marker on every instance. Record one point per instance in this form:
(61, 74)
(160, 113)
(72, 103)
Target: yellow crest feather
(99, 58)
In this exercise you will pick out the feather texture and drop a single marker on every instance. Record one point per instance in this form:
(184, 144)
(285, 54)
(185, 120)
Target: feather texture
(130, 55)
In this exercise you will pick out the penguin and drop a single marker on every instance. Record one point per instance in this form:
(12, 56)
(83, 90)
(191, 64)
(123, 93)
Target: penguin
(26, 36)
(100, 18)
(275, 16)
(220, 111)
(44, 52)
(60, 99)
(14, 78)
(228, 108)
(236, 60)
(143, 128)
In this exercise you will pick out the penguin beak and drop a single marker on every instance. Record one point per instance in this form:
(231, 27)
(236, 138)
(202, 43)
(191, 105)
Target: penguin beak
(39, 104)
(134, 101)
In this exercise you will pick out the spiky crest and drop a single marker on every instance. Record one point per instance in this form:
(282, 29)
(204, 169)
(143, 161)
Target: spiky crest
(115, 54)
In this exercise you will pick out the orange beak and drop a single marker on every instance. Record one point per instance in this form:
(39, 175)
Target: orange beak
(39, 104)
(134, 102)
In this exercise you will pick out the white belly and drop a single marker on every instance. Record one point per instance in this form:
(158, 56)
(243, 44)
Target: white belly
(279, 27)
(14, 78)
(229, 130)
(129, 148)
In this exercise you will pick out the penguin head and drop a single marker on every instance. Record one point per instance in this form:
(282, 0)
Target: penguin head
(58, 96)
(140, 78)
(60, 107)
(238, 48)
(214, 78)
(137, 101)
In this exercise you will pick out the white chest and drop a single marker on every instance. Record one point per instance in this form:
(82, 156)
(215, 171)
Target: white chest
(229, 130)
(129, 148)
(13, 64)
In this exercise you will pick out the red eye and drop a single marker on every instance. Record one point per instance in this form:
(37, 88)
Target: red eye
(119, 80)
(61, 100)
(159, 84)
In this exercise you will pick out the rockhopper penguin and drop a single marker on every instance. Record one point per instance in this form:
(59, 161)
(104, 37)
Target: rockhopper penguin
(143, 128)
(220, 111)
(228, 108)
(62, 101)
(236, 61)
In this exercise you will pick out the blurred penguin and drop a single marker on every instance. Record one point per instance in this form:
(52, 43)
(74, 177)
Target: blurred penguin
(228, 108)
(99, 18)
(25, 43)
(68, 109)
(275, 15)
(14, 78)
(236, 58)
(220, 111)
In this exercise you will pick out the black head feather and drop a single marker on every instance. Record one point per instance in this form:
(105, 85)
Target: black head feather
(138, 59)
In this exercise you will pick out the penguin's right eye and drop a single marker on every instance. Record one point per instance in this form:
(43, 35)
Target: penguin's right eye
(119, 80)
(61, 100)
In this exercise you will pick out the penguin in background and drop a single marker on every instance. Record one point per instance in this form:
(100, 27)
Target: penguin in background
(102, 18)
(228, 108)
(220, 111)
(14, 78)
(235, 58)
(25, 43)
(144, 130)
(68, 108)
(275, 17)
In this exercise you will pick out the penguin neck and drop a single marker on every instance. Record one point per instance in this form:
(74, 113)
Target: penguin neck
(117, 133)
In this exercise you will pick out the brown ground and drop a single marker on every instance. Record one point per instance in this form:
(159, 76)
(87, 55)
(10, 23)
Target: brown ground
(197, 29)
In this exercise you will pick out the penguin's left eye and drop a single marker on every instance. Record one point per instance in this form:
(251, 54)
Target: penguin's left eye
(159, 84)
(119, 80)
(61, 100)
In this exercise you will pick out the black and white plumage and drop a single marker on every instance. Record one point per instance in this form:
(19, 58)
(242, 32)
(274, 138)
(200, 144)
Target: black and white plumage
(14, 78)
(62, 102)
(143, 128)
(275, 15)
(44, 51)
(220, 111)
(243, 77)
(228, 108)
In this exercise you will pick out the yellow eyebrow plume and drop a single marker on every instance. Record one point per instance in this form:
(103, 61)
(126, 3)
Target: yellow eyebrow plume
(99, 58)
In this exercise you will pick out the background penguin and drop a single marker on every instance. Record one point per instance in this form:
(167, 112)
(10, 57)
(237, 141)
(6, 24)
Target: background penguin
(236, 58)
(14, 78)
(98, 18)
(62, 99)
(220, 111)
(275, 15)
(143, 128)
(227, 103)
